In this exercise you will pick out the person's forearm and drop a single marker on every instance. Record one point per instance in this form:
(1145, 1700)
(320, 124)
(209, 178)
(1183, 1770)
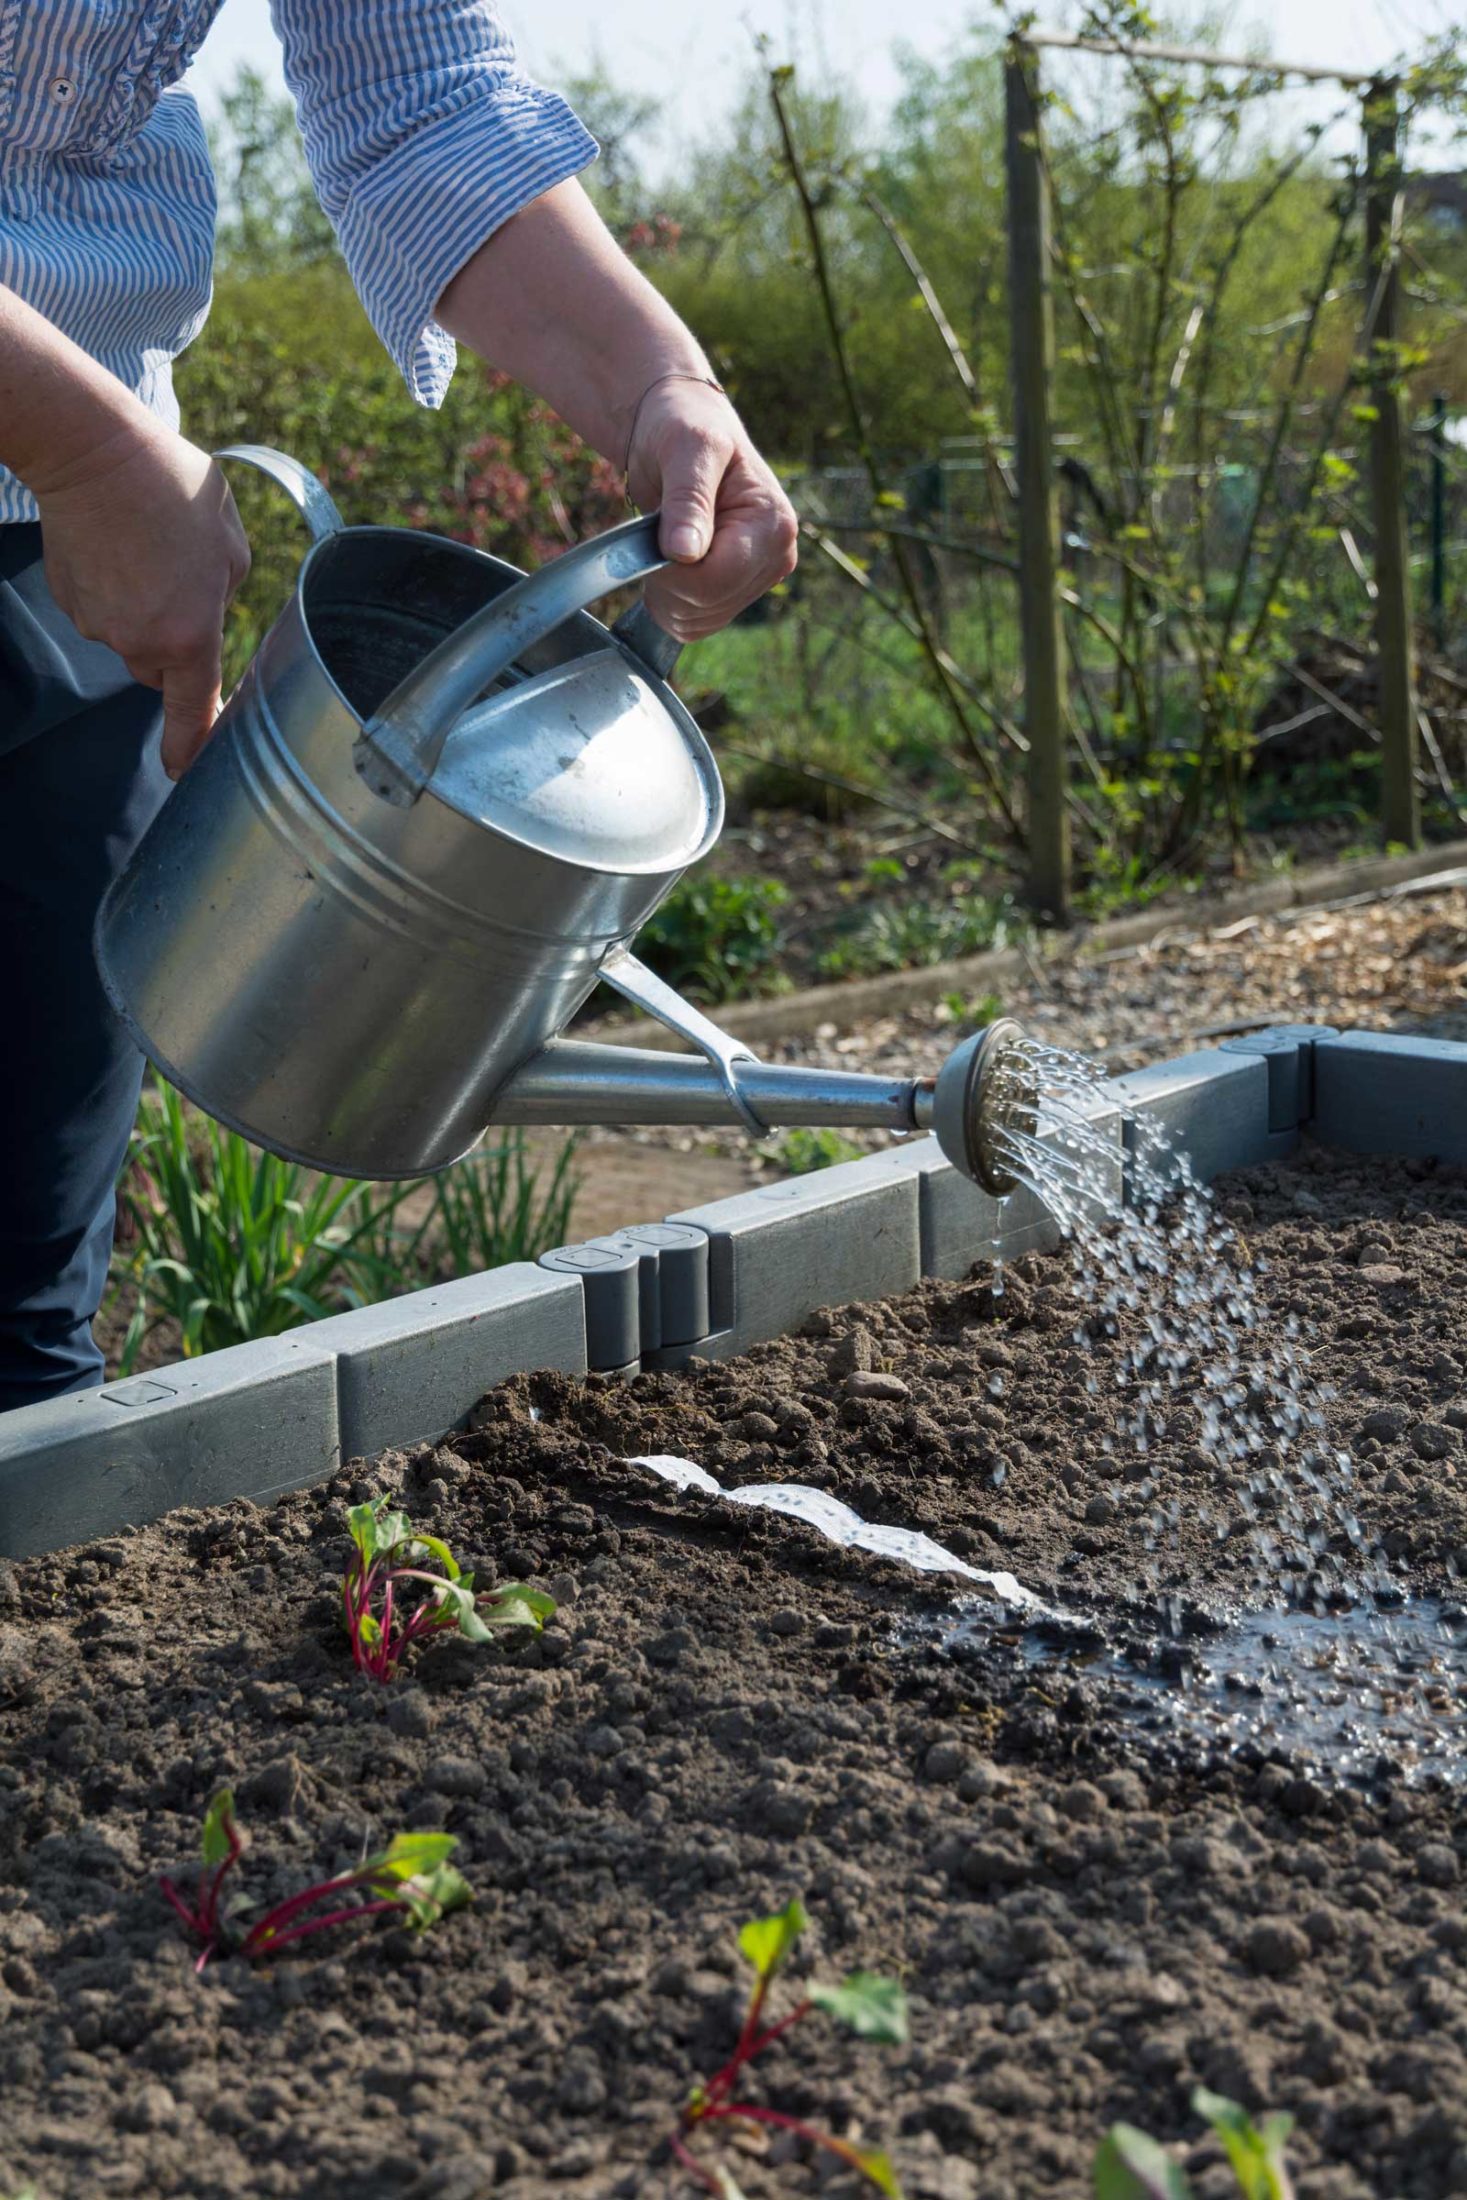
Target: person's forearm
(58, 409)
(553, 301)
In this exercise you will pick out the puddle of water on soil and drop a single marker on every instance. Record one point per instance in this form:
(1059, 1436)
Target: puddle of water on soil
(1356, 1692)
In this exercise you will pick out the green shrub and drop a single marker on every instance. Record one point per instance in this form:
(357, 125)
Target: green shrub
(974, 1014)
(716, 937)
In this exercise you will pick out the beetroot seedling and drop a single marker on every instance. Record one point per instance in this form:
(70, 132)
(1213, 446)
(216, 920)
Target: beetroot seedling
(1129, 2166)
(402, 1585)
(411, 1876)
(871, 2007)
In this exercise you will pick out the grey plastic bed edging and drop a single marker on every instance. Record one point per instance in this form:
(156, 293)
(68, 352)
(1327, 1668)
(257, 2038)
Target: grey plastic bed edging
(417, 1366)
(266, 1417)
(248, 1422)
(1376, 1092)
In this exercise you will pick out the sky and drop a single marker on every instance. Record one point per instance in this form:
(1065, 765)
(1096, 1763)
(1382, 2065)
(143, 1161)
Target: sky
(691, 55)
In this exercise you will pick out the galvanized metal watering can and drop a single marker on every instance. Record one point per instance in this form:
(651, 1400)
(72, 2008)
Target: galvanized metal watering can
(432, 817)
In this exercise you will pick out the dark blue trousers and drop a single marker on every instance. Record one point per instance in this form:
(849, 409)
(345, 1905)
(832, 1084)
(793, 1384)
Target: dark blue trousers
(79, 783)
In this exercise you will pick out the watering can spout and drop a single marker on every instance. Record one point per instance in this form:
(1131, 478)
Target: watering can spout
(980, 1089)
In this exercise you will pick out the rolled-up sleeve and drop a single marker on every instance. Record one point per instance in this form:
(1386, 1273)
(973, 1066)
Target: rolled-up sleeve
(423, 135)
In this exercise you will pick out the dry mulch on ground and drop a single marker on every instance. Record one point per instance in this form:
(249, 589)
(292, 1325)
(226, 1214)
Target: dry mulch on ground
(1091, 1912)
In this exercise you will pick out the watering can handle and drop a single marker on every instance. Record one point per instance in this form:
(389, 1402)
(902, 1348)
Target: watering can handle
(304, 490)
(399, 747)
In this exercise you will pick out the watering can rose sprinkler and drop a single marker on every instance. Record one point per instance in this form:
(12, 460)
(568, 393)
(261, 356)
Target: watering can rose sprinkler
(432, 817)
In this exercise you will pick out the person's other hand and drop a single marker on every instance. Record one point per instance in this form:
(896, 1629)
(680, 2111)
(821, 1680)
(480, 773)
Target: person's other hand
(726, 522)
(143, 551)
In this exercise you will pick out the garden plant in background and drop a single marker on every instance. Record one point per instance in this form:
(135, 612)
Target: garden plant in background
(873, 2008)
(799, 1152)
(411, 1877)
(403, 1586)
(1129, 2166)
(718, 938)
(231, 1243)
(498, 1204)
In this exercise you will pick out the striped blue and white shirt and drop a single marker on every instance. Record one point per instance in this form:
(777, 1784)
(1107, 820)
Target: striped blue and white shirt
(422, 132)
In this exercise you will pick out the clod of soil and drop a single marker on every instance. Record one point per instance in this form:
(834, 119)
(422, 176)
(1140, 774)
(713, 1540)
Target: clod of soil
(728, 1711)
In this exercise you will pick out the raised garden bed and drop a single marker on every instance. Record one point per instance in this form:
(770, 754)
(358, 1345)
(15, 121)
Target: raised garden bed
(1099, 1886)
(1093, 1904)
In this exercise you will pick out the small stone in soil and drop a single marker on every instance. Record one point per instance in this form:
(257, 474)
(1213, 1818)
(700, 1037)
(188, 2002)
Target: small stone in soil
(862, 1384)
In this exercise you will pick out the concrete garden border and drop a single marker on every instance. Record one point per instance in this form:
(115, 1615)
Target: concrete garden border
(275, 1415)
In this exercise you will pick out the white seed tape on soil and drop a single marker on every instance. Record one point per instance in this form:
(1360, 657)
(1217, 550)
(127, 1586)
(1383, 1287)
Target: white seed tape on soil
(1170, 1260)
(837, 1522)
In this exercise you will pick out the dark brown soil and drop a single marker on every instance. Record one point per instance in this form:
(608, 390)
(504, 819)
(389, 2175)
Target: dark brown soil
(1091, 1915)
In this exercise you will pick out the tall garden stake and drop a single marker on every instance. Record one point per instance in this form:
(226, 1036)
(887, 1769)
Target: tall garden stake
(1400, 803)
(1031, 354)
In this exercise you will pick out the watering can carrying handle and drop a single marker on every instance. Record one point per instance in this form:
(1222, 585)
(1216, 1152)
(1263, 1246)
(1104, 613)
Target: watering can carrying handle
(299, 483)
(399, 747)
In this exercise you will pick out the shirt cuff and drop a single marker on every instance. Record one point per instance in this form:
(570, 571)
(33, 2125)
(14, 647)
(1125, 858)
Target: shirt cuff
(416, 217)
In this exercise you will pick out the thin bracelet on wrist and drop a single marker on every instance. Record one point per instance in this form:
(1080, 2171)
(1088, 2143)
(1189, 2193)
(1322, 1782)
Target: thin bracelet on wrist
(675, 374)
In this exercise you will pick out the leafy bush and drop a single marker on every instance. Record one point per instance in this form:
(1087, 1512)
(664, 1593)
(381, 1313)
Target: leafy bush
(974, 1014)
(716, 937)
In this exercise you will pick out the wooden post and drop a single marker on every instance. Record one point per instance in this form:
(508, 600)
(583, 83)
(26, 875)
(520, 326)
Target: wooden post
(1400, 804)
(1031, 367)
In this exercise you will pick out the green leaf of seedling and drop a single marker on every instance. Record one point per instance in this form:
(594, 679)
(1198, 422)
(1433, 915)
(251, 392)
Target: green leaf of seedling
(878, 2167)
(217, 1820)
(873, 2008)
(519, 1592)
(465, 1616)
(1255, 2151)
(393, 1530)
(1129, 2166)
(369, 1630)
(362, 1520)
(511, 1605)
(407, 1855)
(766, 1941)
(436, 1547)
(431, 1895)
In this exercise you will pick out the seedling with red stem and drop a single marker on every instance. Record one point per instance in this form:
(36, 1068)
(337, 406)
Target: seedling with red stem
(387, 1570)
(873, 2008)
(411, 1876)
